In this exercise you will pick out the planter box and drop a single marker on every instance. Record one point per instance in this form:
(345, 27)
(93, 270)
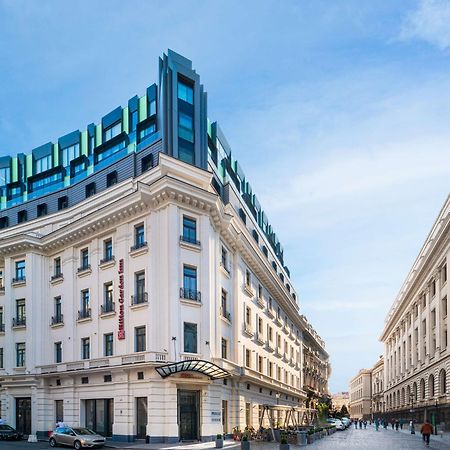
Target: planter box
(245, 445)
(219, 443)
(284, 447)
(310, 438)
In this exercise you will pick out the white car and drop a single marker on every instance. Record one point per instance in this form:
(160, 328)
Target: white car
(337, 423)
(347, 422)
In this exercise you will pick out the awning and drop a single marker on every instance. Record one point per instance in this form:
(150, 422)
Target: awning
(205, 367)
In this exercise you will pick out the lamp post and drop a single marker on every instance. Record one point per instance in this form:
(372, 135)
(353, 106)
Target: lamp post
(436, 405)
(411, 397)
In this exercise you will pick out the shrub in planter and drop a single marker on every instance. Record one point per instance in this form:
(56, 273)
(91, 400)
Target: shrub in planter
(219, 441)
(245, 444)
(284, 443)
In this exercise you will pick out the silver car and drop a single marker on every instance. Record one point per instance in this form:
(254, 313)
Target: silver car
(78, 437)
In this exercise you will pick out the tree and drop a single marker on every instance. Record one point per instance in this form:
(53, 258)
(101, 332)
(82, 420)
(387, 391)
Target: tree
(344, 411)
(322, 409)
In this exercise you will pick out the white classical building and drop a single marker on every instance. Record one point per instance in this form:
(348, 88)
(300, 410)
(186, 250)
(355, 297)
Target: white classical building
(145, 296)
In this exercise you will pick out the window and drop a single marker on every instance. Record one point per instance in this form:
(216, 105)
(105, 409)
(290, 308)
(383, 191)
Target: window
(140, 294)
(147, 130)
(190, 230)
(139, 339)
(133, 120)
(444, 307)
(20, 354)
(84, 380)
(63, 202)
(224, 259)
(3, 223)
(185, 127)
(444, 274)
(85, 348)
(20, 312)
(248, 361)
(190, 282)
(259, 291)
(1, 358)
(57, 267)
(248, 278)
(185, 92)
(42, 164)
(248, 315)
(58, 311)
(90, 190)
(190, 337)
(22, 216)
(68, 154)
(260, 326)
(20, 271)
(433, 289)
(108, 340)
(108, 304)
(152, 108)
(433, 318)
(41, 210)
(260, 364)
(147, 163)
(224, 348)
(85, 310)
(140, 375)
(139, 237)
(112, 131)
(107, 378)
(58, 352)
(5, 176)
(111, 179)
(224, 303)
(84, 258)
(107, 250)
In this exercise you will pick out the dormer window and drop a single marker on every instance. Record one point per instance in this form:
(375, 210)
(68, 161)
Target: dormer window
(43, 164)
(69, 153)
(112, 131)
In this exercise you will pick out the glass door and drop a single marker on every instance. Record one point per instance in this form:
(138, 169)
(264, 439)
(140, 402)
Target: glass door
(141, 417)
(23, 415)
(188, 415)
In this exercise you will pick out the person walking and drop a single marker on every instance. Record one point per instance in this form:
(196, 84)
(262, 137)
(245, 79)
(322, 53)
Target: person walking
(377, 424)
(426, 431)
(397, 425)
(411, 427)
(401, 423)
(356, 424)
(392, 423)
(360, 424)
(365, 424)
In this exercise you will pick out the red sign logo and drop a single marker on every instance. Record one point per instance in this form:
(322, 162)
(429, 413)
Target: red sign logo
(121, 332)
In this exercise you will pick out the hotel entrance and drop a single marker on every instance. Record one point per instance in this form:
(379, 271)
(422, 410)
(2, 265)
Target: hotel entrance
(188, 415)
(23, 415)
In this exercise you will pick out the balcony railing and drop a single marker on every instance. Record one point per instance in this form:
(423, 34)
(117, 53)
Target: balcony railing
(260, 302)
(56, 276)
(248, 329)
(140, 298)
(190, 294)
(107, 259)
(21, 279)
(189, 240)
(138, 245)
(58, 319)
(19, 321)
(84, 314)
(270, 312)
(225, 314)
(84, 267)
(108, 307)
(2, 327)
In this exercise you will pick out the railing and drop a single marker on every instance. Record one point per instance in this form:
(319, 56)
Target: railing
(190, 357)
(225, 314)
(140, 298)
(103, 362)
(2, 327)
(58, 319)
(84, 314)
(107, 308)
(269, 346)
(56, 276)
(19, 321)
(190, 294)
(260, 302)
(189, 240)
(248, 329)
(83, 268)
(19, 280)
(107, 259)
(138, 246)
(131, 359)
(260, 338)
(270, 312)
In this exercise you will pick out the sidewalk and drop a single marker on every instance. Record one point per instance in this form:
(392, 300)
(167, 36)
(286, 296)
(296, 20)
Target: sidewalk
(445, 437)
(141, 445)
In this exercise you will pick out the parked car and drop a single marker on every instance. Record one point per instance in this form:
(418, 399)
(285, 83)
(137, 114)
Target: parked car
(347, 422)
(8, 432)
(77, 437)
(337, 423)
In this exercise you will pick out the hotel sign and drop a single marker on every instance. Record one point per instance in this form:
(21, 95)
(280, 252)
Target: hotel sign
(121, 332)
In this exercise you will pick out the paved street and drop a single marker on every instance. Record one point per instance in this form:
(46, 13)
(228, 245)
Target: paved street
(350, 439)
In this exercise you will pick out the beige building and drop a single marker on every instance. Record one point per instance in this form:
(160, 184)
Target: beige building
(340, 399)
(378, 404)
(361, 395)
(415, 336)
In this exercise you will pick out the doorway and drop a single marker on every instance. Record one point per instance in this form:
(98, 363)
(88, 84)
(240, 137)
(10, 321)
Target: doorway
(188, 415)
(141, 417)
(100, 415)
(23, 415)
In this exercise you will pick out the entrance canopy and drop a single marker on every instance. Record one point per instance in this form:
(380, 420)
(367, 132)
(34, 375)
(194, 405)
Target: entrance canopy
(204, 367)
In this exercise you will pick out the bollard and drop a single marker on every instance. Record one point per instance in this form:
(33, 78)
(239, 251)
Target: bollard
(32, 438)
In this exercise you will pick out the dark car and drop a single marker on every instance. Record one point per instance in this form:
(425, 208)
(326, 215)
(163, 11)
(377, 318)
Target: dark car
(7, 432)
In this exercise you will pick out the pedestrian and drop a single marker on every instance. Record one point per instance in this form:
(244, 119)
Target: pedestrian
(401, 423)
(426, 430)
(411, 427)
(397, 425)
(365, 424)
(360, 424)
(377, 424)
(356, 424)
(392, 423)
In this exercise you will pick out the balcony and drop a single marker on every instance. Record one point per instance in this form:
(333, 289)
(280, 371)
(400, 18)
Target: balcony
(260, 338)
(269, 346)
(19, 280)
(139, 299)
(84, 270)
(57, 320)
(189, 240)
(248, 289)
(108, 308)
(2, 327)
(248, 330)
(84, 314)
(277, 320)
(225, 314)
(190, 294)
(107, 261)
(19, 322)
(260, 302)
(56, 277)
(270, 312)
(2, 290)
(278, 352)
(223, 266)
(139, 247)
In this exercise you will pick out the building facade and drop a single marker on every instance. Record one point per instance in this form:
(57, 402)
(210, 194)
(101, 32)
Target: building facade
(339, 400)
(415, 336)
(143, 291)
(360, 393)
(378, 404)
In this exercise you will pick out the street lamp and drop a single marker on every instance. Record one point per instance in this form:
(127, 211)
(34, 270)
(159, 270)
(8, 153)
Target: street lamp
(411, 397)
(436, 404)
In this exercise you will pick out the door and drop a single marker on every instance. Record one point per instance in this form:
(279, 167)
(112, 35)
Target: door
(188, 414)
(141, 417)
(225, 416)
(100, 415)
(23, 415)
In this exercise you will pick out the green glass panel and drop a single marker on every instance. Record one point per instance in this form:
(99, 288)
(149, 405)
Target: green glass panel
(84, 143)
(90, 170)
(29, 170)
(142, 108)
(55, 155)
(98, 135)
(125, 116)
(15, 169)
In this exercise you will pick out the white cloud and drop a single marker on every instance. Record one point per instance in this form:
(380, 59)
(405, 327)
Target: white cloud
(429, 22)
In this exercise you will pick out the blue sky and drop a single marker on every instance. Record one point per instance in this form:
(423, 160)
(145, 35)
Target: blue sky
(337, 110)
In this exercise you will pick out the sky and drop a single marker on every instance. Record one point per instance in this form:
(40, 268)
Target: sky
(337, 111)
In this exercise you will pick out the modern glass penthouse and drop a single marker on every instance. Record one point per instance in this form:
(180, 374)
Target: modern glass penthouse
(143, 291)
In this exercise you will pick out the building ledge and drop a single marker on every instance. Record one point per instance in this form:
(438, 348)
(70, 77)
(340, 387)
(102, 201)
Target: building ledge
(82, 272)
(18, 327)
(140, 305)
(260, 302)
(19, 283)
(225, 271)
(190, 246)
(56, 279)
(108, 314)
(186, 301)
(2, 291)
(142, 250)
(85, 319)
(107, 264)
(57, 325)
(248, 290)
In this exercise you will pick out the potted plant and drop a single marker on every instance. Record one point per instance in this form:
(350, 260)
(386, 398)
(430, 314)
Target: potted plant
(236, 434)
(284, 443)
(219, 440)
(245, 444)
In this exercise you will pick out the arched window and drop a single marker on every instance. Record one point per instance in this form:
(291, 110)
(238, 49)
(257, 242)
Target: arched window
(414, 391)
(403, 397)
(408, 394)
(422, 389)
(442, 382)
(398, 398)
(431, 386)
